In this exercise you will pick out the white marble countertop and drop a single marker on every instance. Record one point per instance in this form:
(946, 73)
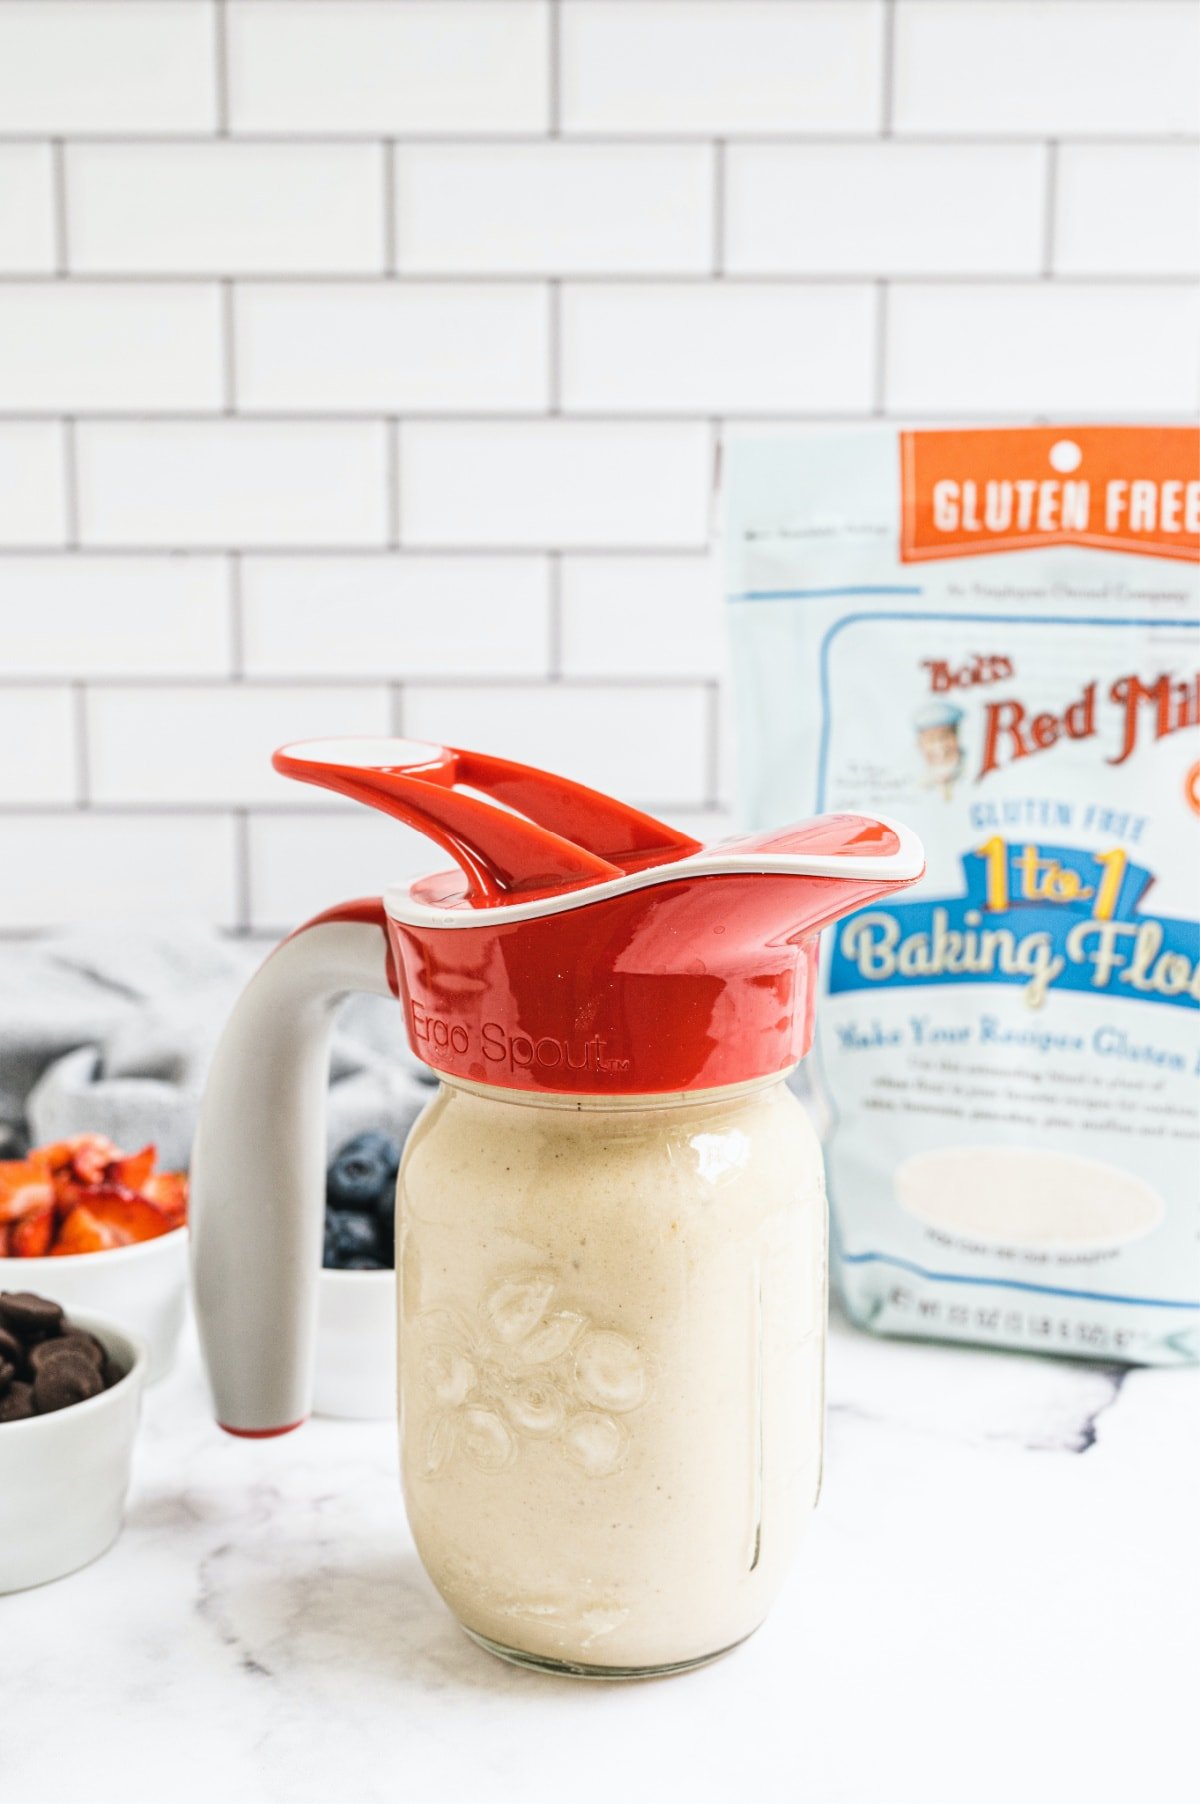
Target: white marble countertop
(997, 1604)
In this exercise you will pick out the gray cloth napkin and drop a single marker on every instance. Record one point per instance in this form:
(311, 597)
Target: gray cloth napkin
(110, 1030)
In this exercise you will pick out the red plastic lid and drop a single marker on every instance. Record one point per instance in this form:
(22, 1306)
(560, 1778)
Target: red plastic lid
(584, 947)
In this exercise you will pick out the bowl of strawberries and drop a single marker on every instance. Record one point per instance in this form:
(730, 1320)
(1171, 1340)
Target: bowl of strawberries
(99, 1229)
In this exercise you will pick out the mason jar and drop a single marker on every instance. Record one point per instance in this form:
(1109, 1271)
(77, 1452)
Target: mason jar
(611, 1365)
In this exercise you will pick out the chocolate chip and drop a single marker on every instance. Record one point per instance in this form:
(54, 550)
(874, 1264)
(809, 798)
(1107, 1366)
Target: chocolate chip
(63, 1381)
(64, 1363)
(68, 1346)
(46, 1351)
(29, 1317)
(85, 1343)
(16, 1403)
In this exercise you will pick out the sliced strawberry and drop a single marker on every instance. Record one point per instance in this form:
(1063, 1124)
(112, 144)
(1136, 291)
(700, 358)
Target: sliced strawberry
(129, 1217)
(91, 1155)
(68, 1191)
(30, 1237)
(23, 1188)
(168, 1191)
(82, 1233)
(54, 1155)
(14, 1172)
(133, 1170)
(84, 1157)
(100, 1197)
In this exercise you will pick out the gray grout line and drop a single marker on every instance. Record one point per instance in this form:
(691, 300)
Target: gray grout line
(259, 811)
(718, 217)
(683, 278)
(888, 70)
(237, 619)
(580, 416)
(737, 417)
(365, 679)
(221, 67)
(228, 347)
(392, 478)
(712, 740)
(615, 139)
(554, 648)
(624, 549)
(717, 427)
(389, 207)
(1050, 202)
(58, 176)
(554, 369)
(554, 71)
(70, 486)
(83, 778)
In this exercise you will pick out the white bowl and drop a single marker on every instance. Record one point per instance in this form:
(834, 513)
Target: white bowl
(63, 1477)
(356, 1345)
(142, 1287)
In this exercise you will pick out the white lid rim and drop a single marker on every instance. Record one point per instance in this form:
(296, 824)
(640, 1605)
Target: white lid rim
(904, 865)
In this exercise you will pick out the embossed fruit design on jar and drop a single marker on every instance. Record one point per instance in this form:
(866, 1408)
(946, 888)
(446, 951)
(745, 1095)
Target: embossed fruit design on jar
(610, 1218)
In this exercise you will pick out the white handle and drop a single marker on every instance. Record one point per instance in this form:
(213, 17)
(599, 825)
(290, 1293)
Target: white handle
(258, 1169)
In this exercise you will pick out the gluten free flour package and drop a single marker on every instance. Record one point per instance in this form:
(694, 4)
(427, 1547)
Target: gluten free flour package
(992, 636)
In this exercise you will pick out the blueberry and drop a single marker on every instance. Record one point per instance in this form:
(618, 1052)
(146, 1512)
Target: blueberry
(349, 1235)
(374, 1146)
(363, 1175)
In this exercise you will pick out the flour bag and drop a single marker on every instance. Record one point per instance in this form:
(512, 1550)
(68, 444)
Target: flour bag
(992, 637)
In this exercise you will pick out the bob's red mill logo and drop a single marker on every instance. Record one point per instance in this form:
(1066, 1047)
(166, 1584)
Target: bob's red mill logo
(1121, 488)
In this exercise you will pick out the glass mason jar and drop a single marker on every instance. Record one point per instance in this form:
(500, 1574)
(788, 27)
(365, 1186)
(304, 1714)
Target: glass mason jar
(612, 1320)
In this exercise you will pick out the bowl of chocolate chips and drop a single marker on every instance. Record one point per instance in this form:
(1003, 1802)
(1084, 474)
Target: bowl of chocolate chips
(70, 1389)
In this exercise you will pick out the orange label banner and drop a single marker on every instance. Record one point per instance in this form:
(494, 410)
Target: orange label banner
(1120, 488)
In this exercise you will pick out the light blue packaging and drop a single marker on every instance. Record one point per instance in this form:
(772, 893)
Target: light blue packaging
(993, 638)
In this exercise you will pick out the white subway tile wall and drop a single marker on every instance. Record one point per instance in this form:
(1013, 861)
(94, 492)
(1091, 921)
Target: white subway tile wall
(37, 746)
(203, 744)
(554, 208)
(34, 502)
(224, 208)
(426, 347)
(110, 66)
(642, 616)
(1010, 348)
(26, 209)
(885, 209)
(715, 67)
(645, 743)
(560, 483)
(357, 67)
(364, 364)
(398, 616)
(95, 617)
(717, 347)
(102, 865)
(1129, 209)
(79, 347)
(184, 483)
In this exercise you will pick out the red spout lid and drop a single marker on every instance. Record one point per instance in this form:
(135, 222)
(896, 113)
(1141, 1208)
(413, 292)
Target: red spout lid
(583, 947)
